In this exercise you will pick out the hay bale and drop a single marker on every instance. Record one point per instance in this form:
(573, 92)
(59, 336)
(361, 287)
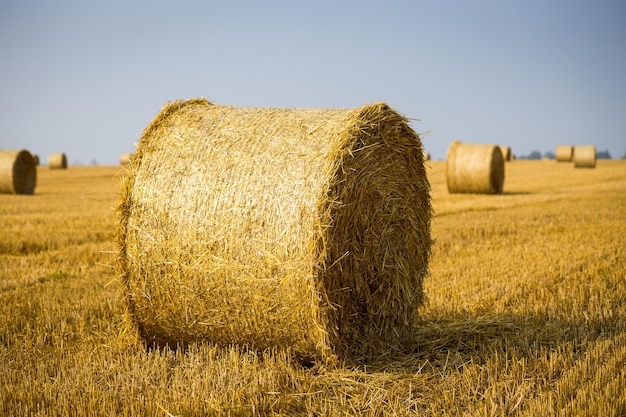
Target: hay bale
(57, 161)
(564, 153)
(474, 168)
(585, 156)
(125, 159)
(506, 153)
(299, 228)
(18, 172)
(36, 159)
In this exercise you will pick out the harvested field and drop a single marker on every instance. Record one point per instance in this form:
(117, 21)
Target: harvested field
(525, 312)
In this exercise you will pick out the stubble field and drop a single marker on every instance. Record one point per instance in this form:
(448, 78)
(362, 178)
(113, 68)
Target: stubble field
(526, 313)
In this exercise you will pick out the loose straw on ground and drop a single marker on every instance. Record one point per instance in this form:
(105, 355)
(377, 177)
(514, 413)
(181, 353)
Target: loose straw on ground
(18, 172)
(307, 229)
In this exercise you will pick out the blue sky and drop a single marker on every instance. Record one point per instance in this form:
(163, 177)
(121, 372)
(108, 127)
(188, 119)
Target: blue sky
(85, 77)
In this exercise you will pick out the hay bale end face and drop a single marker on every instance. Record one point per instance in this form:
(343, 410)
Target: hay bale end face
(307, 229)
(57, 161)
(506, 153)
(585, 156)
(18, 172)
(564, 153)
(474, 168)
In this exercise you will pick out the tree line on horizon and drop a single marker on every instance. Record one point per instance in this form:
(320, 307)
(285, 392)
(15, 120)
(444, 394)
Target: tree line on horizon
(550, 155)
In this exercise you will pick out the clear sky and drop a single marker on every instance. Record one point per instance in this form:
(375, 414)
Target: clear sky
(85, 77)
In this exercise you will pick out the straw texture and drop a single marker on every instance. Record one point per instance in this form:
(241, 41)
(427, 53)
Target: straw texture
(18, 172)
(564, 153)
(585, 156)
(57, 161)
(474, 168)
(307, 229)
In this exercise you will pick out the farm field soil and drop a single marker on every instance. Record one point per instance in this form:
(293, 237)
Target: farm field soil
(526, 312)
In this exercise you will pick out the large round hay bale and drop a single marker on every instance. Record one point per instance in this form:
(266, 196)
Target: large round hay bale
(585, 156)
(125, 159)
(506, 153)
(474, 168)
(564, 153)
(300, 228)
(57, 161)
(18, 172)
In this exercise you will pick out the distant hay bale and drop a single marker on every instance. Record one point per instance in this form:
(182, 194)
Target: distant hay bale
(125, 158)
(585, 156)
(57, 161)
(564, 153)
(426, 156)
(36, 159)
(474, 168)
(18, 172)
(300, 228)
(506, 153)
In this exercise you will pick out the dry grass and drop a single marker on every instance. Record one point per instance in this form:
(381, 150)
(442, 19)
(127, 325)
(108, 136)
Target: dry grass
(525, 314)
